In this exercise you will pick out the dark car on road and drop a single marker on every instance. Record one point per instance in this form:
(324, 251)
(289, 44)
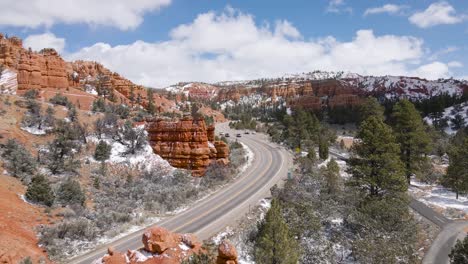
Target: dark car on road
(226, 135)
(238, 135)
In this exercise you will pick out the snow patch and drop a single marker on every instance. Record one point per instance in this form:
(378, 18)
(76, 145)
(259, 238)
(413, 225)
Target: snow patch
(438, 196)
(36, 131)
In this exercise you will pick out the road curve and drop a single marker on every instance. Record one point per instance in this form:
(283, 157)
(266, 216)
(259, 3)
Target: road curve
(225, 206)
(445, 240)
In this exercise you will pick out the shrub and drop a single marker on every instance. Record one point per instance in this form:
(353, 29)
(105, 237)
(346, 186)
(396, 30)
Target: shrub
(19, 162)
(31, 94)
(39, 191)
(70, 193)
(60, 99)
(459, 253)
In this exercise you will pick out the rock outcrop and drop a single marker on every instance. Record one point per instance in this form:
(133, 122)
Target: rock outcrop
(160, 247)
(187, 144)
(164, 247)
(227, 253)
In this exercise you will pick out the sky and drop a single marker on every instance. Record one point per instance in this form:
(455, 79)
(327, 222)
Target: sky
(162, 42)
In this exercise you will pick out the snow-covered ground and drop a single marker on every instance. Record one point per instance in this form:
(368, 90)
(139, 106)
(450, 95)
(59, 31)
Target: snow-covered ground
(143, 159)
(36, 131)
(450, 113)
(440, 198)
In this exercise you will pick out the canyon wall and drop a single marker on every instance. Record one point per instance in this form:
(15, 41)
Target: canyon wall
(188, 144)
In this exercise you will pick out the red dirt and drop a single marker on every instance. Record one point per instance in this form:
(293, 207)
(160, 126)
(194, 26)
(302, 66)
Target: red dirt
(18, 220)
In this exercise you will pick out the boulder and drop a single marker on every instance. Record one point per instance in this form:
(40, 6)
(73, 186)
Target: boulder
(227, 253)
(158, 240)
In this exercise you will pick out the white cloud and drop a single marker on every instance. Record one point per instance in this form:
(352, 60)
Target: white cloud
(46, 40)
(388, 8)
(455, 64)
(122, 14)
(433, 70)
(447, 50)
(436, 14)
(231, 46)
(338, 6)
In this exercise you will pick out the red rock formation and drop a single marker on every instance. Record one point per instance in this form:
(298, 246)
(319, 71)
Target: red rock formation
(186, 144)
(160, 247)
(227, 253)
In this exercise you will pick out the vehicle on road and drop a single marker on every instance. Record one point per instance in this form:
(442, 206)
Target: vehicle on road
(238, 135)
(246, 132)
(226, 135)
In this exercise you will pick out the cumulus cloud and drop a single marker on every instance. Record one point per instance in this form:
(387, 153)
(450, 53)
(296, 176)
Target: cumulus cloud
(455, 64)
(122, 14)
(436, 14)
(388, 8)
(338, 6)
(231, 46)
(433, 70)
(46, 40)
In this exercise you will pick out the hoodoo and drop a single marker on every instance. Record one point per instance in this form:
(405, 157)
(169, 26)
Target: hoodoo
(188, 144)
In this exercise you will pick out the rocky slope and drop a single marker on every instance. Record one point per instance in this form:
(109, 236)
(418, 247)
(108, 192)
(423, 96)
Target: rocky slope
(46, 70)
(164, 247)
(320, 89)
(187, 143)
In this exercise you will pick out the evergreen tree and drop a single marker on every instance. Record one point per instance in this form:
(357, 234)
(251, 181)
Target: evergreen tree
(103, 151)
(275, 244)
(323, 149)
(99, 105)
(411, 135)
(72, 113)
(375, 166)
(371, 107)
(459, 253)
(457, 172)
(151, 106)
(332, 177)
(70, 192)
(39, 191)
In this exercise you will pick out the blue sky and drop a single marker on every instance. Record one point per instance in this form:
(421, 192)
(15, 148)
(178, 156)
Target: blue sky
(160, 42)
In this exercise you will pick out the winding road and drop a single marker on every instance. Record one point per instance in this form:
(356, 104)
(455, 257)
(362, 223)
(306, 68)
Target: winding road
(445, 240)
(224, 207)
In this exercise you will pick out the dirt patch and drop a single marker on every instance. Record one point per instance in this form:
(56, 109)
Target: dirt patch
(18, 220)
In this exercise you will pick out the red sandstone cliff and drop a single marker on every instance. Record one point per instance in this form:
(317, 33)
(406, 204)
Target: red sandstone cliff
(187, 143)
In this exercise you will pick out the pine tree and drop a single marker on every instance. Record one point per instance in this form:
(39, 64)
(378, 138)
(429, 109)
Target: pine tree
(332, 177)
(457, 172)
(371, 107)
(103, 151)
(411, 135)
(323, 149)
(459, 253)
(275, 244)
(375, 166)
(151, 106)
(39, 191)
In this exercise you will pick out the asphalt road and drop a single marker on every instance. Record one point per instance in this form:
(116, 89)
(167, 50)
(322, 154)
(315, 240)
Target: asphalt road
(212, 214)
(445, 240)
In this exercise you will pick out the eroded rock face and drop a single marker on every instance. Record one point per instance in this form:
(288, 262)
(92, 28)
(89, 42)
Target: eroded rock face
(227, 253)
(187, 144)
(160, 247)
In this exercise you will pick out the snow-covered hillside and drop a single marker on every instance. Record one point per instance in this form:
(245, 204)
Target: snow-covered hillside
(409, 87)
(388, 86)
(452, 119)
